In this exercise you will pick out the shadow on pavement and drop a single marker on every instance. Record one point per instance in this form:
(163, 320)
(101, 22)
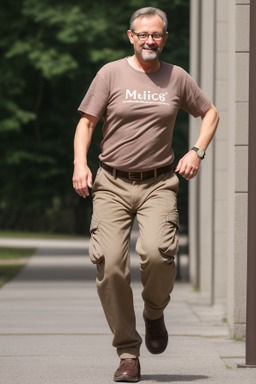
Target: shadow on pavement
(173, 378)
(73, 264)
(50, 252)
(68, 272)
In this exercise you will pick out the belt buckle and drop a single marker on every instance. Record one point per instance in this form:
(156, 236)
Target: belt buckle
(135, 176)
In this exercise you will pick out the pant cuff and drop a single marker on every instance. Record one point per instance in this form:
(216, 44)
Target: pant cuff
(131, 350)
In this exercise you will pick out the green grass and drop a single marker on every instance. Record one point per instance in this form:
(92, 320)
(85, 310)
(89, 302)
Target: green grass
(7, 272)
(9, 262)
(37, 235)
(15, 253)
(237, 338)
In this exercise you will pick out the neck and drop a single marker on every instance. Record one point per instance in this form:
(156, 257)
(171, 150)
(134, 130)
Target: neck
(144, 66)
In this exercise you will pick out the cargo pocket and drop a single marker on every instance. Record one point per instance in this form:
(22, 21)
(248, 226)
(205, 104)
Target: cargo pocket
(95, 251)
(169, 242)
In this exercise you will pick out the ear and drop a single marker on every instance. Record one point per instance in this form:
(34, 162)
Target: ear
(130, 35)
(165, 37)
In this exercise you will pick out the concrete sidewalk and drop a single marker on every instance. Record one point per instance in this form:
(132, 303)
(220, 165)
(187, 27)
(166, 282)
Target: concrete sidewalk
(52, 327)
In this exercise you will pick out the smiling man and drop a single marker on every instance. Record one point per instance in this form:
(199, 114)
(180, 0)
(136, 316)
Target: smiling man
(138, 98)
(148, 41)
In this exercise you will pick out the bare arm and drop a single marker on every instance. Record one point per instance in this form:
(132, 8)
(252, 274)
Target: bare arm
(188, 165)
(82, 176)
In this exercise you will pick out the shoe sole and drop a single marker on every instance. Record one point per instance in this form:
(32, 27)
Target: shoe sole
(127, 379)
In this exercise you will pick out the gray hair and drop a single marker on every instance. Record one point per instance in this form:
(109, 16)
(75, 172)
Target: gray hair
(149, 11)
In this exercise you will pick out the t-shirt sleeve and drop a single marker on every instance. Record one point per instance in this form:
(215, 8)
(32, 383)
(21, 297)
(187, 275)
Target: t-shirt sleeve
(194, 100)
(95, 101)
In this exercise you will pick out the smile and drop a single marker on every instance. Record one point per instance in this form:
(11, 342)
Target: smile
(150, 49)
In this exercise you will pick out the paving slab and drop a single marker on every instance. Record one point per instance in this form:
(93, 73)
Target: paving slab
(52, 328)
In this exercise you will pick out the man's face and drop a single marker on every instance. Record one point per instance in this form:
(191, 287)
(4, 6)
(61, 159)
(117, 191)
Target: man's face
(149, 49)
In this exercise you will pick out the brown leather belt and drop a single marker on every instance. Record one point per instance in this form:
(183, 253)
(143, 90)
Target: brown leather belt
(136, 176)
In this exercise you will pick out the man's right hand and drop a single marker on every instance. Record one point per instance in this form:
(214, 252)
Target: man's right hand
(82, 179)
(82, 176)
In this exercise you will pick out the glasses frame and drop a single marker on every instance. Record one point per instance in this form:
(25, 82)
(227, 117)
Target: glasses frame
(148, 35)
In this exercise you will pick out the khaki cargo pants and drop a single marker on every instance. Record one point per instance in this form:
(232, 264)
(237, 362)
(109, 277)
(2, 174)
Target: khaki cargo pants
(116, 201)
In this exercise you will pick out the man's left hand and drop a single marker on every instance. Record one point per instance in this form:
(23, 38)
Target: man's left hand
(188, 165)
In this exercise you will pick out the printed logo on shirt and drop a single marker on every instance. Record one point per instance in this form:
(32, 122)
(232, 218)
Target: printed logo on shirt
(145, 97)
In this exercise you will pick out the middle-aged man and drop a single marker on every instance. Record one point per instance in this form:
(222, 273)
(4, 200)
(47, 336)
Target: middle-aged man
(138, 97)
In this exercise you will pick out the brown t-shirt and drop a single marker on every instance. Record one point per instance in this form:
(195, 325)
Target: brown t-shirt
(139, 112)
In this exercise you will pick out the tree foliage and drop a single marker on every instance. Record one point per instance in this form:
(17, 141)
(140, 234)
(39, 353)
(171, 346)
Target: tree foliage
(50, 52)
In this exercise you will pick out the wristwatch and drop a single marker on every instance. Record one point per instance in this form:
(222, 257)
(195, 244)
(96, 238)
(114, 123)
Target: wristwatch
(200, 153)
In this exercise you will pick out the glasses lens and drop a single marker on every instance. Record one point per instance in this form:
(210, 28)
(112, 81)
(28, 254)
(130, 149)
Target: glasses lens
(144, 36)
(157, 36)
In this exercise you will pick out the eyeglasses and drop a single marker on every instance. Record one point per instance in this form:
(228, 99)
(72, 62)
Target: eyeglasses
(143, 36)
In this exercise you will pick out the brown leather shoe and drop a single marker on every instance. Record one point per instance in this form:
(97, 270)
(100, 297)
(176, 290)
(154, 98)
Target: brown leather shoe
(128, 370)
(156, 338)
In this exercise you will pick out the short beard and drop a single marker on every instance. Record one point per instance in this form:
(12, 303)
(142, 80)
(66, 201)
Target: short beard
(146, 56)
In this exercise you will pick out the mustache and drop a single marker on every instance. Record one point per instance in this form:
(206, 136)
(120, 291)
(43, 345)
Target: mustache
(154, 47)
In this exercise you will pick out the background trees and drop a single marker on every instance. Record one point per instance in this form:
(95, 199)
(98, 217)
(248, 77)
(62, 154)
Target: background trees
(50, 52)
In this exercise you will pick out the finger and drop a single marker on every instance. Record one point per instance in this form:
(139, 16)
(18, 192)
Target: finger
(90, 180)
(80, 190)
(83, 191)
(185, 172)
(86, 192)
(192, 174)
(177, 169)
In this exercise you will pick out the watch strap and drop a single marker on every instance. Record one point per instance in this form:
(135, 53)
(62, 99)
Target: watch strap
(200, 153)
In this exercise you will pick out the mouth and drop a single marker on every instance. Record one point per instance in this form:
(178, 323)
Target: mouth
(152, 49)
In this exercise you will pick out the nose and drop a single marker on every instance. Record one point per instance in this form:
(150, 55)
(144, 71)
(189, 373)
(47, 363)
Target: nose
(150, 40)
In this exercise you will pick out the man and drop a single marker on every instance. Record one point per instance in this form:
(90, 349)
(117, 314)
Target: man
(138, 98)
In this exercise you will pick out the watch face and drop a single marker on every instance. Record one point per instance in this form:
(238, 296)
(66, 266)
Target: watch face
(200, 153)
